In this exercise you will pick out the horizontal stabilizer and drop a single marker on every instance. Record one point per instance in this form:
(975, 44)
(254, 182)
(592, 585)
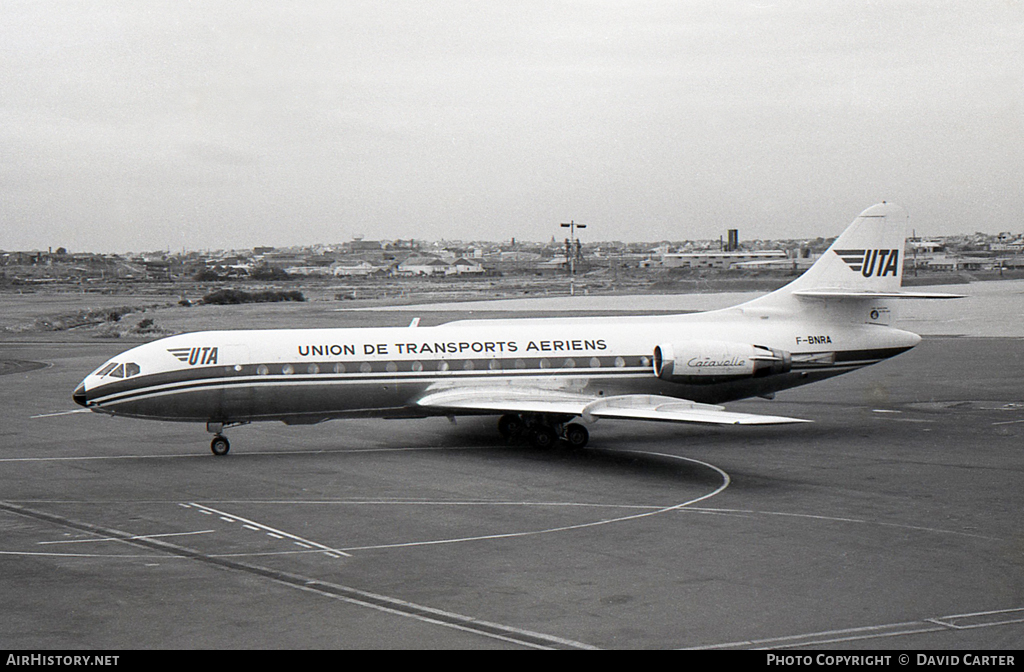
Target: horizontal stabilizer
(864, 294)
(631, 406)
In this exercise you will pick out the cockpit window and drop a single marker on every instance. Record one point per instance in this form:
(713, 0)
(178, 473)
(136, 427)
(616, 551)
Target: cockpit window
(118, 372)
(131, 369)
(106, 369)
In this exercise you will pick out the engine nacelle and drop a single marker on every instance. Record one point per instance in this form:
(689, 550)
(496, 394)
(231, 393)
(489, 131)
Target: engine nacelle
(706, 362)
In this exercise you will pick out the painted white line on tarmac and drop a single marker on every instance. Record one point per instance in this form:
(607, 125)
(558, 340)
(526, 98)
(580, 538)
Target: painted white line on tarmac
(299, 541)
(838, 519)
(926, 625)
(347, 594)
(140, 536)
(206, 455)
(565, 528)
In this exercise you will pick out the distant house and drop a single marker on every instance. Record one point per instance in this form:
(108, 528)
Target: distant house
(551, 266)
(518, 256)
(419, 265)
(307, 270)
(956, 263)
(463, 265)
(352, 267)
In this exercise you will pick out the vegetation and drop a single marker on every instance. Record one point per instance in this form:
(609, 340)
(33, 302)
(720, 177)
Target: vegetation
(83, 318)
(207, 275)
(269, 273)
(236, 296)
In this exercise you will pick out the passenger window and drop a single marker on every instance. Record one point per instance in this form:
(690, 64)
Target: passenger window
(118, 372)
(131, 369)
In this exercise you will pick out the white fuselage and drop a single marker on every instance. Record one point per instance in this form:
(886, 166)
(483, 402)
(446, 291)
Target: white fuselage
(310, 375)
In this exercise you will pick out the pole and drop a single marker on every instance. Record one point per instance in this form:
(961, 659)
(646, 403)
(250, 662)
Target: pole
(571, 253)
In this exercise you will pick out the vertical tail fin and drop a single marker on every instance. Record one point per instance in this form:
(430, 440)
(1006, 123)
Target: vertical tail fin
(865, 260)
(866, 257)
(857, 278)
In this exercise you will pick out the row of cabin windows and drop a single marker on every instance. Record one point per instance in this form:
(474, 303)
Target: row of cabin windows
(116, 370)
(466, 365)
(129, 369)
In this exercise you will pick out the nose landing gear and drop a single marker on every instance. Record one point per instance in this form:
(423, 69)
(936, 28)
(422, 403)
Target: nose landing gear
(220, 445)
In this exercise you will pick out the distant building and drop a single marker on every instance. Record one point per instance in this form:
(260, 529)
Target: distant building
(419, 265)
(357, 246)
(353, 267)
(718, 259)
(943, 262)
(308, 270)
(463, 266)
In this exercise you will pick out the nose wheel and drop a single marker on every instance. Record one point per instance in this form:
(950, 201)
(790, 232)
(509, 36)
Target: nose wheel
(220, 446)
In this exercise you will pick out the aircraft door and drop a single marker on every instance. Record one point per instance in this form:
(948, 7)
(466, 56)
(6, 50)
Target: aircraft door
(235, 399)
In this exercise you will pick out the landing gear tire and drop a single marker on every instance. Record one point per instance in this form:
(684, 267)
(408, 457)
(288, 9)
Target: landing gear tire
(510, 426)
(220, 446)
(543, 437)
(576, 436)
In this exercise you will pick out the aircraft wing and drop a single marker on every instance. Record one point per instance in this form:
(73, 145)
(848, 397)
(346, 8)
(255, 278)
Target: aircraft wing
(670, 409)
(629, 406)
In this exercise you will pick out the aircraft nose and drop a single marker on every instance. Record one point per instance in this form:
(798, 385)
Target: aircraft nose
(79, 395)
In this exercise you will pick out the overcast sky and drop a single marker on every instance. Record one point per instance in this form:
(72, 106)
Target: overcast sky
(131, 126)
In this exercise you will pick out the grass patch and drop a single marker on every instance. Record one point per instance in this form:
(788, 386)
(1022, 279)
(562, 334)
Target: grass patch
(230, 297)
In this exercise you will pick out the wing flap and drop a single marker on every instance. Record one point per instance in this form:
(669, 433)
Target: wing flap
(626, 407)
(507, 399)
(670, 409)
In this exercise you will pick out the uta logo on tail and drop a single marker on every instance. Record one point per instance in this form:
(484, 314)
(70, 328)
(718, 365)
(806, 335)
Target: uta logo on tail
(878, 263)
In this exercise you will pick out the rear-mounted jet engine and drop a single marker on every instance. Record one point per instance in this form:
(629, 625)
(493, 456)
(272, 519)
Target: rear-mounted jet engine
(707, 362)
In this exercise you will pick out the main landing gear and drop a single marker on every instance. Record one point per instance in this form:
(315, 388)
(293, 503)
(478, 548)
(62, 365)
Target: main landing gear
(543, 431)
(220, 445)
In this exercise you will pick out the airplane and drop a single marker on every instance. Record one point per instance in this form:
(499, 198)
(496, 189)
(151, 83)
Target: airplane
(546, 379)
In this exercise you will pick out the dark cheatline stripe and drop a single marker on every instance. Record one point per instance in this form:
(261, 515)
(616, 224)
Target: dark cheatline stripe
(219, 379)
(875, 354)
(186, 380)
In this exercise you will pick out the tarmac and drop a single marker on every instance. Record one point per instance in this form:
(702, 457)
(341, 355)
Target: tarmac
(894, 521)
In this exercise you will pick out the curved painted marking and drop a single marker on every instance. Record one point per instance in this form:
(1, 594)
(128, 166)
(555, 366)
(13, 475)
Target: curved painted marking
(511, 535)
